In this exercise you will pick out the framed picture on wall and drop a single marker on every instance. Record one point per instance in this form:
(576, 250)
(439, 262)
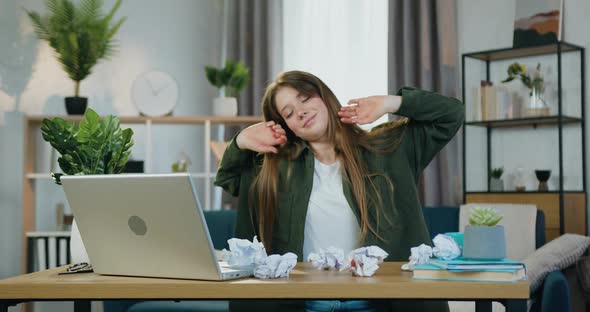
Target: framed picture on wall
(537, 22)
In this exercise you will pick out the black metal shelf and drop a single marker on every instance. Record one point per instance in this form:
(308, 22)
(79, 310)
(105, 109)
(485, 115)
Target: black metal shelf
(559, 120)
(524, 122)
(510, 53)
(523, 192)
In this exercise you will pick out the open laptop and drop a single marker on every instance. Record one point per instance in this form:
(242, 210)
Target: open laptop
(148, 225)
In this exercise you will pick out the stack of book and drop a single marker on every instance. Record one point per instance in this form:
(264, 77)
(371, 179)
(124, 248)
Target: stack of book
(461, 269)
(494, 102)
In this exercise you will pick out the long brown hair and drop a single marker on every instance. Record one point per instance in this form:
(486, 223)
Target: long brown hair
(347, 139)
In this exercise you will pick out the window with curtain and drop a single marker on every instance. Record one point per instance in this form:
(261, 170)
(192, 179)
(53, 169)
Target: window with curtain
(343, 42)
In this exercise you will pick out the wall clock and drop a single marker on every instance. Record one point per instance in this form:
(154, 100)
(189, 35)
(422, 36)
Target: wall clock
(155, 93)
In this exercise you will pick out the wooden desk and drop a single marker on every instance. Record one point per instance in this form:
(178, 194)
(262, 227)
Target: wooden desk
(304, 283)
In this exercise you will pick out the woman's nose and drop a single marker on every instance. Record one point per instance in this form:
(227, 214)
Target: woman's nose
(301, 113)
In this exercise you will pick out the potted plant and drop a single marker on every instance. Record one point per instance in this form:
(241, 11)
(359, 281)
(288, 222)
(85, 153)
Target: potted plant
(81, 36)
(94, 146)
(230, 80)
(535, 84)
(496, 183)
(484, 238)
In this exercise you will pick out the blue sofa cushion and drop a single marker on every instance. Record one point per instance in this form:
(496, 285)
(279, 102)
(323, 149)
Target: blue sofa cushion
(221, 226)
(441, 219)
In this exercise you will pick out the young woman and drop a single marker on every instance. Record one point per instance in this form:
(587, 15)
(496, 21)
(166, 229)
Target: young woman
(309, 177)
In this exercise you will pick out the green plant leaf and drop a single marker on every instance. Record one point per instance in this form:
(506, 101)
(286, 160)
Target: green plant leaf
(39, 25)
(93, 147)
(234, 76)
(213, 76)
(484, 217)
(90, 9)
(110, 15)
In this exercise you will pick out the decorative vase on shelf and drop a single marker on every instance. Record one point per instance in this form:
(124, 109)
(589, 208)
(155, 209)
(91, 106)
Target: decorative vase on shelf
(77, 249)
(225, 106)
(537, 105)
(496, 185)
(519, 180)
(543, 176)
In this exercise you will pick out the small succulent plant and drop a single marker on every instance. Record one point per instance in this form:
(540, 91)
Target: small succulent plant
(484, 216)
(496, 173)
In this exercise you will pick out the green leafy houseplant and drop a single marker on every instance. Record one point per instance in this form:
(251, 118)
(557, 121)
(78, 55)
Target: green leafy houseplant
(80, 35)
(518, 71)
(484, 217)
(496, 173)
(94, 146)
(232, 78)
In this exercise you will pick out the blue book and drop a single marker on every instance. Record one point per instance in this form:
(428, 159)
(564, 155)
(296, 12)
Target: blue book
(432, 272)
(462, 264)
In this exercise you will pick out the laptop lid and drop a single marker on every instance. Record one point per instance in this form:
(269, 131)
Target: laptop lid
(142, 225)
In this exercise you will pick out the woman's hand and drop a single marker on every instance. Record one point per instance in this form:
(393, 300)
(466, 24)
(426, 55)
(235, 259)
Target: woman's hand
(368, 109)
(262, 137)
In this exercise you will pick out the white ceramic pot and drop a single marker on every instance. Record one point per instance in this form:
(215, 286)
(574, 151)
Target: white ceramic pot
(496, 185)
(77, 249)
(225, 106)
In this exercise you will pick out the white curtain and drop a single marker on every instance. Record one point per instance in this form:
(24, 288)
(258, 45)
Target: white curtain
(343, 42)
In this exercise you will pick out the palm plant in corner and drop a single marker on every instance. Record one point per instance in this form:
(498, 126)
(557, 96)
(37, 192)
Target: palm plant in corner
(483, 237)
(81, 36)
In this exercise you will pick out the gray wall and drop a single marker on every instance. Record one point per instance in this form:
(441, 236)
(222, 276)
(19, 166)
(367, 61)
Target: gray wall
(487, 25)
(179, 37)
(11, 159)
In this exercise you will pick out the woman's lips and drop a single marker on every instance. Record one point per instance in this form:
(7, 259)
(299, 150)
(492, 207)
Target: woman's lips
(309, 121)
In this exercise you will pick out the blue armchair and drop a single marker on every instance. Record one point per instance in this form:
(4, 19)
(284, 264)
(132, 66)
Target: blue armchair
(553, 295)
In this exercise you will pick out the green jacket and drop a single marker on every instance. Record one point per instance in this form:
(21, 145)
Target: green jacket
(433, 121)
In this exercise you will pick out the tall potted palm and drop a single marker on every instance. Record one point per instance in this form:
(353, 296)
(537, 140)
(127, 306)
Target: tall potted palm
(81, 36)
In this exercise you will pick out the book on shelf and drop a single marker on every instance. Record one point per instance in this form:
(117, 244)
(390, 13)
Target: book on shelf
(504, 270)
(492, 102)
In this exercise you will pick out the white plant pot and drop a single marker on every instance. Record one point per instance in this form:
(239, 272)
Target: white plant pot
(77, 249)
(496, 185)
(225, 106)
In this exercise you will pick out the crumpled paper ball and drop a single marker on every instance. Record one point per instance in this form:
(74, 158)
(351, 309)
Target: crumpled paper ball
(275, 266)
(365, 261)
(331, 258)
(445, 247)
(243, 253)
(419, 255)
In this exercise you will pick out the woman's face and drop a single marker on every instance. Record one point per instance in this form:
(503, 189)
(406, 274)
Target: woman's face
(306, 116)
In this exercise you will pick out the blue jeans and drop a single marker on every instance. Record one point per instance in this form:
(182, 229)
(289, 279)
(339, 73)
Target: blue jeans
(338, 305)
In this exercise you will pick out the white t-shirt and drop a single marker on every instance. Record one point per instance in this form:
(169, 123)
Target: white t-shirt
(330, 220)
